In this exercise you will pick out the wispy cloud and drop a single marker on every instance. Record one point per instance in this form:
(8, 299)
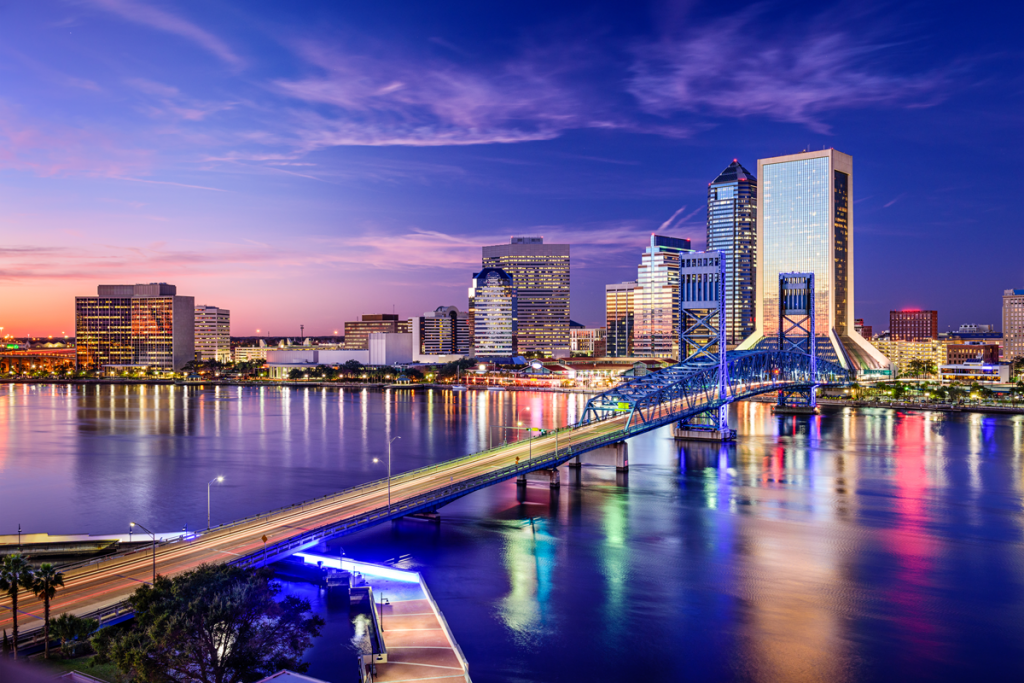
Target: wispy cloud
(727, 69)
(51, 149)
(148, 15)
(391, 100)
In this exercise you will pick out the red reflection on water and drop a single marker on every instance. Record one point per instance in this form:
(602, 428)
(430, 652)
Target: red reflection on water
(913, 549)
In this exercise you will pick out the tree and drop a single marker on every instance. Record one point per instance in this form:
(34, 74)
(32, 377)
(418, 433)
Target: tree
(295, 373)
(15, 574)
(214, 624)
(44, 584)
(68, 627)
(898, 390)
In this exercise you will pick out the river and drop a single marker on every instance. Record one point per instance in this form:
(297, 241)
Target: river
(859, 545)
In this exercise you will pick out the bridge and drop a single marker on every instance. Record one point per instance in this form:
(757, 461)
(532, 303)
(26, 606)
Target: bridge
(99, 588)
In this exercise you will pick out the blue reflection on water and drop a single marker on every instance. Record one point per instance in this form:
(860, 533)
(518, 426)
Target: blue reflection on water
(857, 545)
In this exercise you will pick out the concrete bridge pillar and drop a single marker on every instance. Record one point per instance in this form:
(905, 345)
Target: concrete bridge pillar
(576, 463)
(621, 456)
(555, 478)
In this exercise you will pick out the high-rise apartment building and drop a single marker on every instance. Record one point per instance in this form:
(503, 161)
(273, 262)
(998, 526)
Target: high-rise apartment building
(656, 299)
(541, 276)
(441, 332)
(1013, 324)
(213, 333)
(618, 315)
(805, 225)
(357, 332)
(911, 325)
(493, 313)
(144, 326)
(862, 329)
(732, 231)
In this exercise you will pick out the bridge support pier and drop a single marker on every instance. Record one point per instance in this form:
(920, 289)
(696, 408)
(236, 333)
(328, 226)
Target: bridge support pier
(555, 478)
(687, 433)
(621, 456)
(576, 463)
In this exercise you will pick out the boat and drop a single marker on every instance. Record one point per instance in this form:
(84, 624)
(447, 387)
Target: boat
(495, 387)
(459, 387)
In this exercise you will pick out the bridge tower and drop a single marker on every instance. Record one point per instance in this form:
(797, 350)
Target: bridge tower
(796, 334)
(702, 335)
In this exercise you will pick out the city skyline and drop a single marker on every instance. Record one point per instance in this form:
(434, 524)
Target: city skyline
(179, 165)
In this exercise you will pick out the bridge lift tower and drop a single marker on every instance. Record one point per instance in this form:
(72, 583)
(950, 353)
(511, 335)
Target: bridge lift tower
(796, 333)
(702, 335)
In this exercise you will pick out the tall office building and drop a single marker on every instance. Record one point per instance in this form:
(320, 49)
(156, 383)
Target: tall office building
(913, 325)
(213, 333)
(541, 276)
(805, 225)
(144, 326)
(1013, 324)
(732, 231)
(618, 315)
(493, 314)
(656, 299)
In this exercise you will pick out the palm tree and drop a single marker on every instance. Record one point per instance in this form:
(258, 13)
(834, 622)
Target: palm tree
(44, 585)
(15, 574)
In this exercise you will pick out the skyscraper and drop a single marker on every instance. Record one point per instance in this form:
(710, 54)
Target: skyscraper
(805, 224)
(618, 313)
(1013, 324)
(493, 310)
(213, 333)
(540, 273)
(656, 298)
(732, 230)
(135, 325)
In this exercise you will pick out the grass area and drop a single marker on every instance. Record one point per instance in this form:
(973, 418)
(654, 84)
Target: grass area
(104, 672)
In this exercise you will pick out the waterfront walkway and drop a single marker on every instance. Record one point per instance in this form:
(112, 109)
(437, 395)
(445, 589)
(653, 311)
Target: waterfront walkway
(419, 648)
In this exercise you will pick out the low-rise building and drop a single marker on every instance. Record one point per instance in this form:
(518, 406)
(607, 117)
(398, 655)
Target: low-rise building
(901, 352)
(962, 353)
(975, 371)
(587, 341)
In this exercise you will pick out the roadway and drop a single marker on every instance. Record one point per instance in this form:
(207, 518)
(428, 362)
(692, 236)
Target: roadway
(110, 581)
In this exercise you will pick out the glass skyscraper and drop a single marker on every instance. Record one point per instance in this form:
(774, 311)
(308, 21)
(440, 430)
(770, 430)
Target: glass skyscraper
(732, 230)
(493, 312)
(656, 299)
(541, 276)
(805, 224)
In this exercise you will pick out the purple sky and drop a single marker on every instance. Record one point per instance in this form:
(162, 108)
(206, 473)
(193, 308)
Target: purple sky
(302, 163)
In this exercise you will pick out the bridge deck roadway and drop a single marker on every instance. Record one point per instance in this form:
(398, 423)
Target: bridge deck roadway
(93, 587)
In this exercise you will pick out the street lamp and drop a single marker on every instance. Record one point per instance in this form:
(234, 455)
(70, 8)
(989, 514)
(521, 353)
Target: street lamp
(215, 479)
(133, 524)
(391, 441)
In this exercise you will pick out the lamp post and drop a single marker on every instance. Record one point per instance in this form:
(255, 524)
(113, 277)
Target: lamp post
(390, 441)
(215, 479)
(133, 524)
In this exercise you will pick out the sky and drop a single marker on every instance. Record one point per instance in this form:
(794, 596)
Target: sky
(304, 163)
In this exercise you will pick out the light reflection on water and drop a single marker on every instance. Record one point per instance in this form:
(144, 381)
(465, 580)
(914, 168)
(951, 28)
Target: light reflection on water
(856, 545)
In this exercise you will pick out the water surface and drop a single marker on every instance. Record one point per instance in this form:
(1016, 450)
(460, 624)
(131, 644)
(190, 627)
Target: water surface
(868, 545)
